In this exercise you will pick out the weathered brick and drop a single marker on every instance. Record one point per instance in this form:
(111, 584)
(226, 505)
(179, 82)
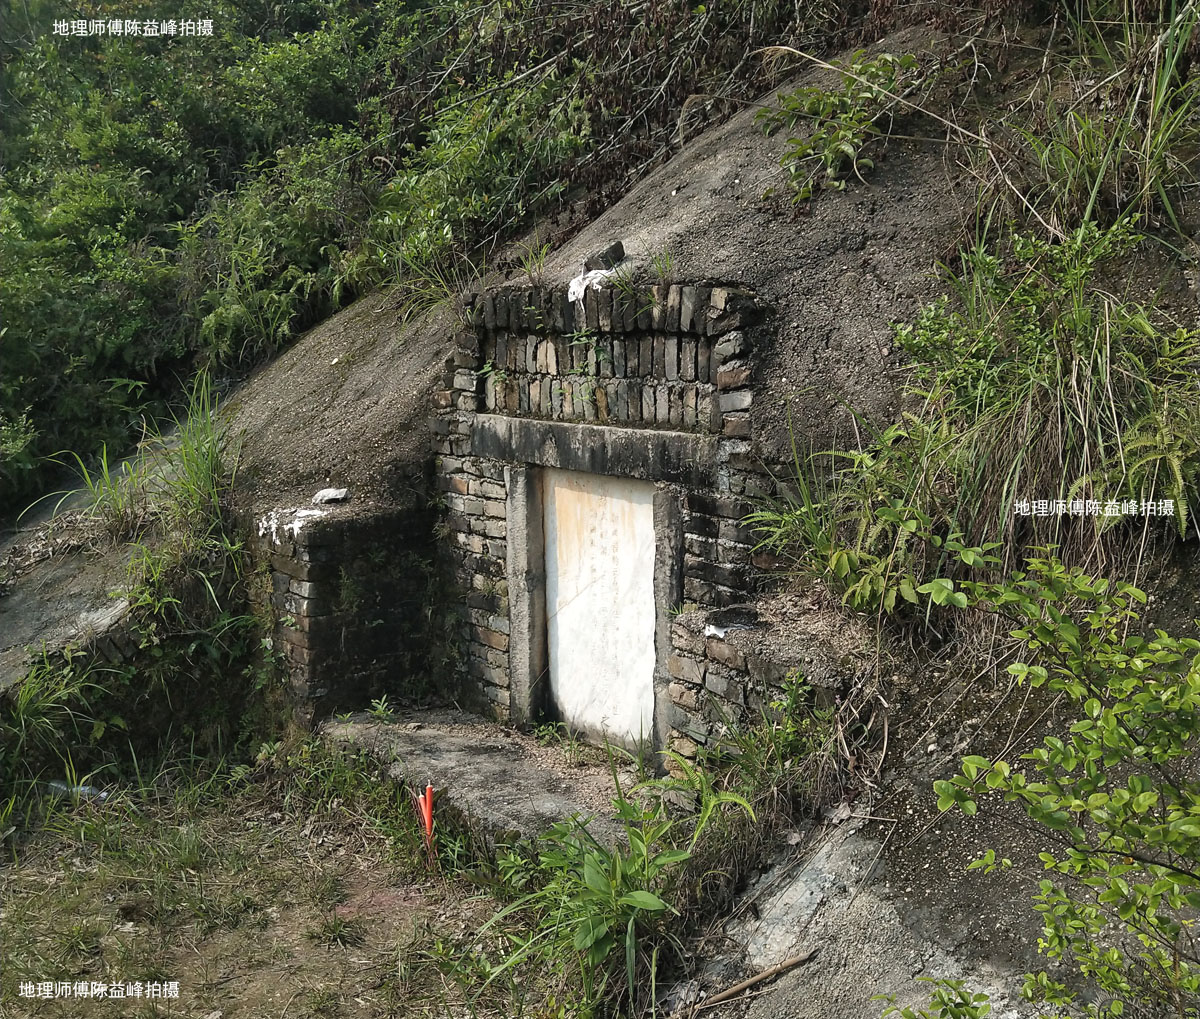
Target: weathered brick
(647, 415)
(670, 358)
(674, 299)
(675, 406)
(726, 654)
(465, 504)
(685, 669)
(646, 356)
(604, 310)
(736, 425)
(645, 310)
(632, 346)
(684, 696)
(733, 376)
(658, 314)
(740, 399)
(630, 303)
(689, 407)
(687, 308)
(684, 747)
(687, 359)
(618, 358)
(600, 398)
(491, 638)
(684, 639)
(662, 406)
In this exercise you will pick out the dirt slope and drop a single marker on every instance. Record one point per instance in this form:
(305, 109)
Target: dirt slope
(347, 405)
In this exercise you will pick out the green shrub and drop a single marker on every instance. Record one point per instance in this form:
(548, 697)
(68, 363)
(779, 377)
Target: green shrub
(595, 912)
(841, 123)
(1116, 794)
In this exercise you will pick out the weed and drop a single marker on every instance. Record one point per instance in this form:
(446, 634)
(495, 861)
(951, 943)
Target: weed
(662, 265)
(114, 493)
(381, 710)
(950, 998)
(1036, 384)
(559, 734)
(491, 370)
(426, 282)
(533, 263)
(599, 910)
(1124, 148)
(844, 122)
(337, 932)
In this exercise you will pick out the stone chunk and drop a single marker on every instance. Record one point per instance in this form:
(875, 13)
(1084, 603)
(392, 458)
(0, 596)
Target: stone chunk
(719, 651)
(674, 301)
(740, 399)
(730, 346)
(686, 669)
(733, 376)
(605, 258)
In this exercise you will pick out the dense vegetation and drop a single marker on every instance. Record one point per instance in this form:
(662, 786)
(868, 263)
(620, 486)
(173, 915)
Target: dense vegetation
(1049, 376)
(170, 202)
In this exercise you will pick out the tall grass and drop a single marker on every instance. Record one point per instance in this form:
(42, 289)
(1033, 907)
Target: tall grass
(42, 717)
(1125, 141)
(1034, 383)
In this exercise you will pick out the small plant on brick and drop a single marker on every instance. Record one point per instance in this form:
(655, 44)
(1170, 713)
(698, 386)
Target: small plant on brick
(493, 371)
(533, 264)
(349, 597)
(630, 294)
(663, 266)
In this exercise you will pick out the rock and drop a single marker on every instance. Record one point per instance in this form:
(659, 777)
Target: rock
(605, 258)
(331, 495)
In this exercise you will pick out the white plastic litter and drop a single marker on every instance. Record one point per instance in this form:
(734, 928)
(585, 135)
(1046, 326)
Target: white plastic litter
(595, 279)
(330, 495)
(719, 631)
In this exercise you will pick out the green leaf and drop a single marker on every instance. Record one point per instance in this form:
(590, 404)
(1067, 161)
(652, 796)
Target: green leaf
(595, 877)
(591, 930)
(642, 899)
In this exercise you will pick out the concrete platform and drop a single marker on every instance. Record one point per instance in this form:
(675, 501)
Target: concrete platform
(501, 780)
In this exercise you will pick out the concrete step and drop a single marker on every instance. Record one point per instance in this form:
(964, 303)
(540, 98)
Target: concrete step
(501, 781)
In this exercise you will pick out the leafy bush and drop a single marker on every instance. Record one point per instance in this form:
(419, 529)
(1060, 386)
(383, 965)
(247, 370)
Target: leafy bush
(843, 123)
(594, 912)
(1117, 793)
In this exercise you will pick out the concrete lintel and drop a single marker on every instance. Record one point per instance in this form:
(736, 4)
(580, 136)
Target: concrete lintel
(643, 453)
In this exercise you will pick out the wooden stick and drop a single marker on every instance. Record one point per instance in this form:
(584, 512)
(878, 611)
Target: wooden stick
(745, 985)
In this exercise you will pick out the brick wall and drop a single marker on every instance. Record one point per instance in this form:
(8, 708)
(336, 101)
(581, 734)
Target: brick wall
(351, 597)
(674, 360)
